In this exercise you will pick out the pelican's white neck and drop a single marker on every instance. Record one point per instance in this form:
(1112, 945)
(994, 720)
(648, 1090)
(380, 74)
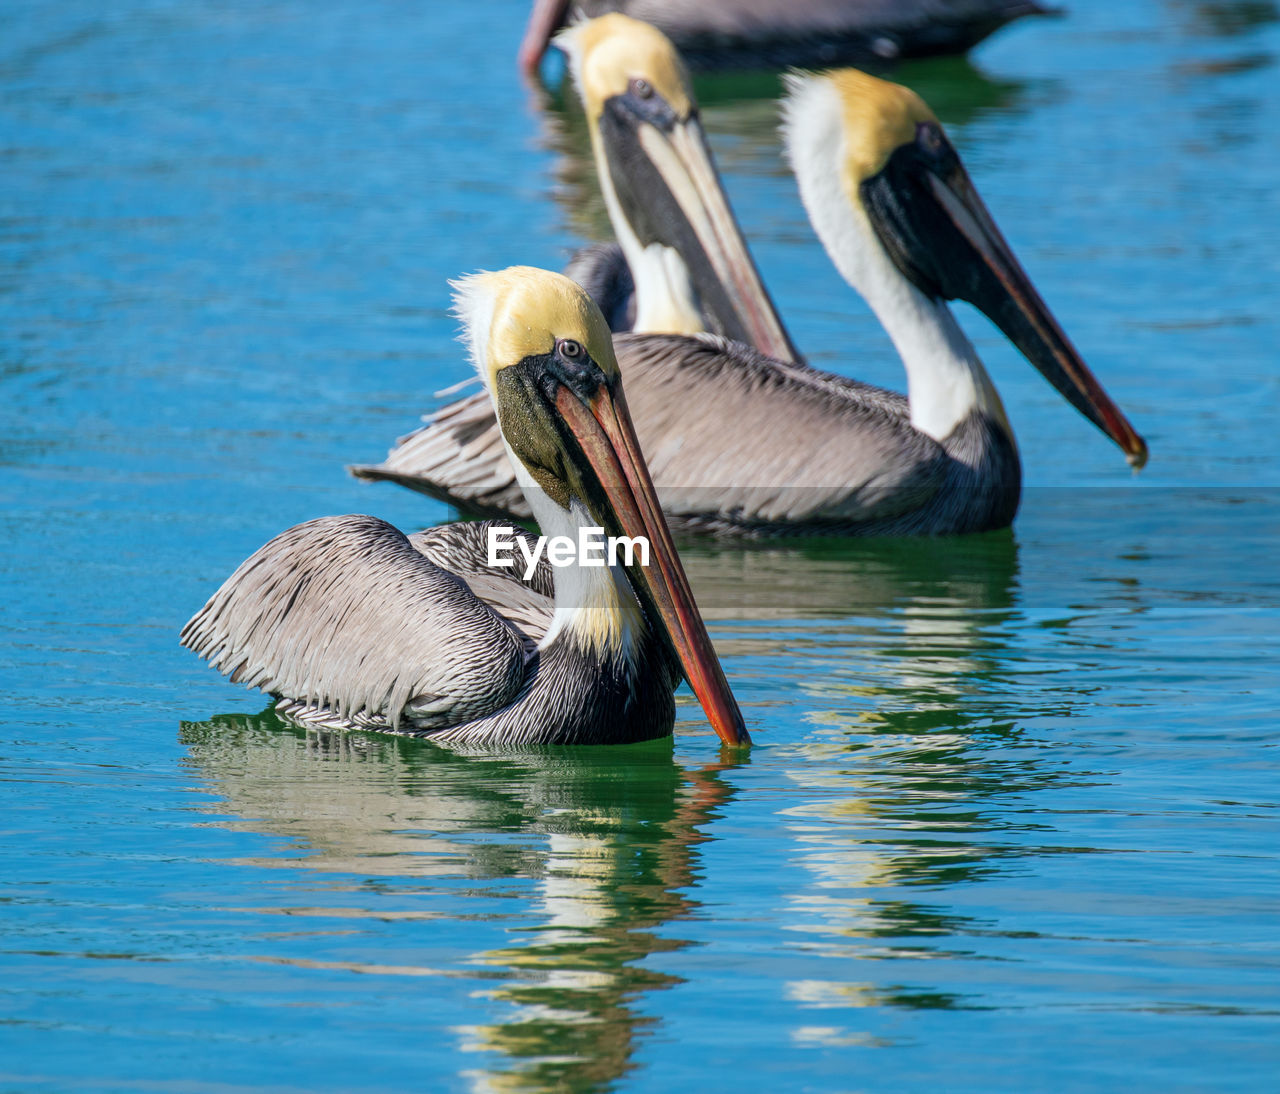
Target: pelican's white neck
(594, 604)
(946, 381)
(664, 292)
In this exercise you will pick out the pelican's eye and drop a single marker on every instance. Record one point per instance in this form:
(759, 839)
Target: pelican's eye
(641, 88)
(929, 137)
(570, 350)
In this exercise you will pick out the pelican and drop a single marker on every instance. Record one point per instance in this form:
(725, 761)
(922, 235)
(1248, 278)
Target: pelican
(350, 624)
(739, 443)
(682, 265)
(778, 33)
(679, 244)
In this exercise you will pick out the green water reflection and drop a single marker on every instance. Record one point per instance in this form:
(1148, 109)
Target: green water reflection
(608, 838)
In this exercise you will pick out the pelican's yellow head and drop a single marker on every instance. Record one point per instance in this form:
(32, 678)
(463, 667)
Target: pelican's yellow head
(866, 118)
(524, 312)
(545, 354)
(879, 118)
(617, 55)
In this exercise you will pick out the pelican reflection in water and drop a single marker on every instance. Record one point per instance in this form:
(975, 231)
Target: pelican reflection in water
(744, 444)
(600, 847)
(351, 624)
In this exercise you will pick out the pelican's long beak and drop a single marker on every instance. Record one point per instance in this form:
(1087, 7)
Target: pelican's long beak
(669, 192)
(935, 227)
(603, 430)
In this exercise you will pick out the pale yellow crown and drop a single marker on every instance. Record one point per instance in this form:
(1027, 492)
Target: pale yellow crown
(879, 117)
(521, 311)
(607, 53)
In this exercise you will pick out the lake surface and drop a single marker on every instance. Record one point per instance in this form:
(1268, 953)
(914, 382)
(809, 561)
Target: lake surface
(1012, 821)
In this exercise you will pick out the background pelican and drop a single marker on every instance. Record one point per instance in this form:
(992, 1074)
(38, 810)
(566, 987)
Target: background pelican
(350, 623)
(677, 235)
(739, 443)
(681, 265)
(778, 33)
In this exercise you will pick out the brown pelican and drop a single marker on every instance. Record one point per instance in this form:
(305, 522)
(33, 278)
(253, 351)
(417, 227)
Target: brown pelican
(681, 243)
(742, 444)
(682, 265)
(778, 33)
(349, 623)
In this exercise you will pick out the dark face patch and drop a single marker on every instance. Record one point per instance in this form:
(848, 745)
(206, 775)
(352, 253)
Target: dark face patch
(921, 206)
(914, 229)
(527, 392)
(652, 210)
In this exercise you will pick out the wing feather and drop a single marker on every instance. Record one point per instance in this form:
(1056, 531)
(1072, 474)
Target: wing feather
(463, 550)
(730, 433)
(344, 615)
(731, 437)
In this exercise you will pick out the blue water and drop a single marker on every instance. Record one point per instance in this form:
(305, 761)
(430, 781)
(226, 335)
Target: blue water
(1011, 822)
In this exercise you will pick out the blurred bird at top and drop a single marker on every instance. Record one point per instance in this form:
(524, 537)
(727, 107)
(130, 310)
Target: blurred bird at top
(777, 33)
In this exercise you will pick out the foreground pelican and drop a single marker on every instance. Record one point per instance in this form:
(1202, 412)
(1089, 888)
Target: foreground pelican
(351, 624)
(742, 444)
(778, 33)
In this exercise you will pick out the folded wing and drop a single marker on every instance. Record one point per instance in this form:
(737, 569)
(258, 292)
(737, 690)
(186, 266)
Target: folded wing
(344, 615)
(734, 440)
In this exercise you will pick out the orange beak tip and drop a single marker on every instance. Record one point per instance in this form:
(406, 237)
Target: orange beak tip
(1138, 457)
